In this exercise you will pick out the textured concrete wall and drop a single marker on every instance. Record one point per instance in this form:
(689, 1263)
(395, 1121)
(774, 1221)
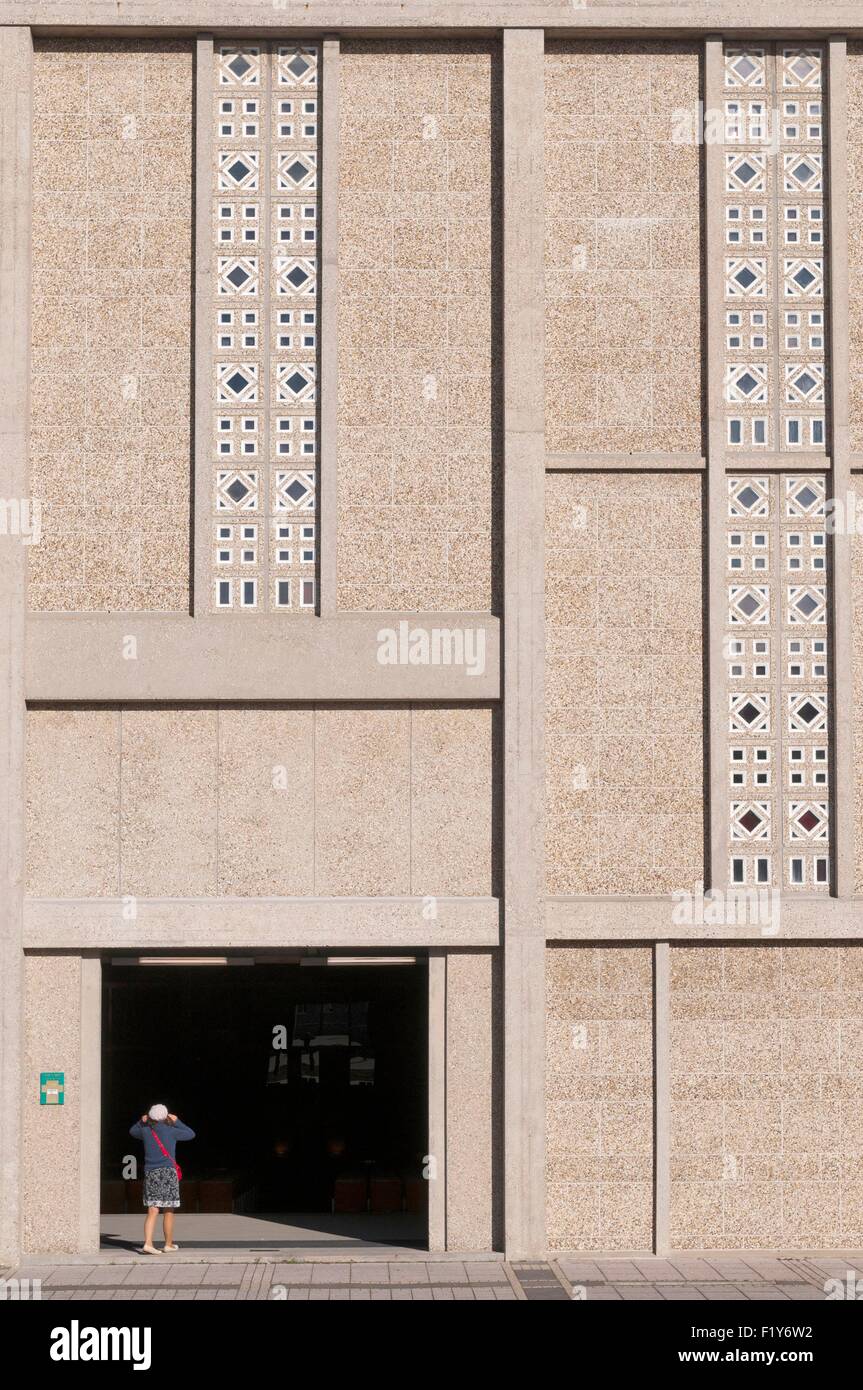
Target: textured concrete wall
(622, 249)
(766, 1089)
(599, 1098)
(473, 1118)
(418, 129)
(111, 323)
(855, 240)
(51, 1159)
(624, 683)
(249, 802)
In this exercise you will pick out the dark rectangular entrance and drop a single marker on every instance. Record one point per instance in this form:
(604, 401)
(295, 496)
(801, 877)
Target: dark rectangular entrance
(306, 1083)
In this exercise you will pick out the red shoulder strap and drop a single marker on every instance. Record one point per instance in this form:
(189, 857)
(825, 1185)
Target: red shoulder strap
(165, 1152)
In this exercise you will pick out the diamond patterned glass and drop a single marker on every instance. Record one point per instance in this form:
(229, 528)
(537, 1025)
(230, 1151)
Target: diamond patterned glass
(775, 389)
(776, 646)
(265, 234)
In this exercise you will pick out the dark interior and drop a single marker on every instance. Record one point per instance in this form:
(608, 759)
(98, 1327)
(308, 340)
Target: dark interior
(328, 1115)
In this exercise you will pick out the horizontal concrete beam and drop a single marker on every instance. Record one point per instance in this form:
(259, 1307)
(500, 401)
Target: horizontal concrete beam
(601, 463)
(136, 656)
(108, 924)
(767, 917)
(688, 463)
(264, 16)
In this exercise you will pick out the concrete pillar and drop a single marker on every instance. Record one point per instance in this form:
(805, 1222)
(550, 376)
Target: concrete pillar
(661, 1097)
(524, 641)
(90, 1083)
(16, 81)
(437, 1100)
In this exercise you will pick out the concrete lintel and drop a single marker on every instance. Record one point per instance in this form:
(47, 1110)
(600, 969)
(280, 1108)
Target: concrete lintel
(619, 463)
(559, 16)
(764, 919)
(16, 82)
(86, 657)
(172, 924)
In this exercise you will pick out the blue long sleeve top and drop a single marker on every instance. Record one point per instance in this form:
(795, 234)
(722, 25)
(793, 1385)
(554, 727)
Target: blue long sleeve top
(170, 1135)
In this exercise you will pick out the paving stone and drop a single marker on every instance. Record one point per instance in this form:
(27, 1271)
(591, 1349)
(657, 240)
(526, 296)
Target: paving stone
(735, 1271)
(837, 1268)
(381, 1295)
(164, 1295)
(491, 1273)
(505, 1295)
(319, 1295)
(145, 1277)
(183, 1295)
(483, 1295)
(331, 1274)
(298, 1295)
(620, 1271)
(293, 1274)
(602, 1293)
(803, 1293)
(679, 1293)
(441, 1294)
(582, 1271)
(360, 1295)
(722, 1293)
(638, 1293)
(370, 1274)
(421, 1295)
(222, 1274)
(656, 1270)
(81, 1295)
(203, 1294)
(400, 1295)
(184, 1275)
(693, 1269)
(408, 1273)
(768, 1268)
(462, 1295)
(107, 1277)
(69, 1276)
(444, 1273)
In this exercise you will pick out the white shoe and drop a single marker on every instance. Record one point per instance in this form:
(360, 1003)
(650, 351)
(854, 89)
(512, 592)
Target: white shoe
(171, 1247)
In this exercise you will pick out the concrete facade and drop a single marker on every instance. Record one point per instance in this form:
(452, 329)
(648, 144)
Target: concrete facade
(556, 495)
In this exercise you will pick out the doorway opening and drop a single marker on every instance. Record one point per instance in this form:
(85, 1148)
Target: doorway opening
(305, 1079)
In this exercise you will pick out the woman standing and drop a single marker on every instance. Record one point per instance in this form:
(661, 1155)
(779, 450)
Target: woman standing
(160, 1133)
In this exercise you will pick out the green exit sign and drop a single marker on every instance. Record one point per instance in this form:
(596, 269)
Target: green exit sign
(52, 1087)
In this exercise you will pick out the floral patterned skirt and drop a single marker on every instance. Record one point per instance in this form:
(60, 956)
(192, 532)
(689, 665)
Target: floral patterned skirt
(161, 1188)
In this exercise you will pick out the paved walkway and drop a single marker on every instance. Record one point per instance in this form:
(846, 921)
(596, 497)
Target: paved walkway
(188, 1276)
